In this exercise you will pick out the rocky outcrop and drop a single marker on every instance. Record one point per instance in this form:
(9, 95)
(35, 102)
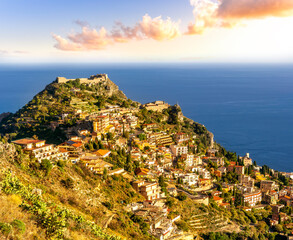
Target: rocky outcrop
(112, 89)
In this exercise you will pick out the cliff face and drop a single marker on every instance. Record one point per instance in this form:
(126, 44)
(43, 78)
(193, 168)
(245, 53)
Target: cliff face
(112, 89)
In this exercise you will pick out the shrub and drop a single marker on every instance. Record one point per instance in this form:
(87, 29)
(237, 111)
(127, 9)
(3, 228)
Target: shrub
(61, 164)
(108, 205)
(170, 202)
(5, 228)
(182, 225)
(68, 182)
(181, 196)
(47, 166)
(19, 226)
(279, 228)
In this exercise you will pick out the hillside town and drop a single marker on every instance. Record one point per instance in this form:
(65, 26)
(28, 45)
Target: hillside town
(164, 162)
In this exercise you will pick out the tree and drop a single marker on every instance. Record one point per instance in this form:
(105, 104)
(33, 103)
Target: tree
(47, 166)
(162, 184)
(126, 134)
(128, 164)
(238, 199)
(105, 173)
(109, 136)
(279, 228)
(142, 137)
(181, 196)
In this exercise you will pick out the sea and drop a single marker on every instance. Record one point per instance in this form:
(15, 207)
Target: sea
(248, 107)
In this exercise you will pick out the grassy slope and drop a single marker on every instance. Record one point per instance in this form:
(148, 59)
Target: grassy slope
(86, 196)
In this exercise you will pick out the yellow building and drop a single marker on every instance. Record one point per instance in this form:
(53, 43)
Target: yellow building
(101, 123)
(260, 177)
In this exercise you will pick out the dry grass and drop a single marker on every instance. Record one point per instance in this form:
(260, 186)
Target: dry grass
(10, 211)
(85, 198)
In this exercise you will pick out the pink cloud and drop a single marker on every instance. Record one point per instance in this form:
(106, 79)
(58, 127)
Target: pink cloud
(88, 39)
(230, 13)
(91, 39)
(121, 33)
(255, 8)
(65, 45)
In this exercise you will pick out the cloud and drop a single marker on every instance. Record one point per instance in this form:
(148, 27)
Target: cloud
(247, 9)
(65, 45)
(204, 12)
(13, 53)
(81, 23)
(90, 39)
(121, 33)
(159, 29)
(230, 13)
(3, 52)
(207, 14)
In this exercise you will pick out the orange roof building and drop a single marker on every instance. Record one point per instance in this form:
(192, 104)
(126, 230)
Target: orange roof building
(218, 199)
(103, 153)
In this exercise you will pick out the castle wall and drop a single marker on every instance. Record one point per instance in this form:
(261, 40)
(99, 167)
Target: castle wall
(94, 79)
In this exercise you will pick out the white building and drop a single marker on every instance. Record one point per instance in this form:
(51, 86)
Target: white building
(178, 150)
(190, 179)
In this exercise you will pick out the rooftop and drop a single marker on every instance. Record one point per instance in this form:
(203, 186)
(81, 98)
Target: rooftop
(26, 141)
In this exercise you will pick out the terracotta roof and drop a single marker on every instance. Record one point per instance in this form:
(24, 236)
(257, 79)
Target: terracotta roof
(225, 204)
(102, 152)
(62, 150)
(26, 141)
(77, 144)
(216, 198)
(141, 171)
(287, 197)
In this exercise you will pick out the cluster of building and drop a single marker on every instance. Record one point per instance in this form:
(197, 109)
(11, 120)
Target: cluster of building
(155, 215)
(159, 153)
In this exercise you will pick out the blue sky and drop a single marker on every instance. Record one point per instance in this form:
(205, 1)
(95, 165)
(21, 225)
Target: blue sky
(228, 30)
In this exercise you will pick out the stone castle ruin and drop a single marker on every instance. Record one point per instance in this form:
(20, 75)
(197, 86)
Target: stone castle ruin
(94, 79)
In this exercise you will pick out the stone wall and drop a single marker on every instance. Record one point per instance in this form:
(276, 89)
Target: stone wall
(94, 79)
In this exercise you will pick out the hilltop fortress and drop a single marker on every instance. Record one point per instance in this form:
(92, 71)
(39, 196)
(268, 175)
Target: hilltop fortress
(105, 85)
(94, 79)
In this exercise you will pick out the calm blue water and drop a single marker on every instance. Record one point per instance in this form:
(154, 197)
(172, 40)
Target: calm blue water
(249, 108)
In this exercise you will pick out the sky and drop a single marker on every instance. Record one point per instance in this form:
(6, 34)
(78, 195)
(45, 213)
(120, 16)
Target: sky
(35, 31)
